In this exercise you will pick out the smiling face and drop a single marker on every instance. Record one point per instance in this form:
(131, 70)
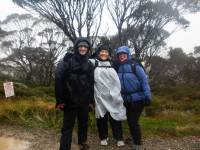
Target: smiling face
(82, 50)
(103, 54)
(122, 57)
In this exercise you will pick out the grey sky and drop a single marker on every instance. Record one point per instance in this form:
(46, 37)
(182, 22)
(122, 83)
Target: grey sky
(187, 39)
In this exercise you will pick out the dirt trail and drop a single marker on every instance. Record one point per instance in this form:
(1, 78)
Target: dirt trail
(49, 140)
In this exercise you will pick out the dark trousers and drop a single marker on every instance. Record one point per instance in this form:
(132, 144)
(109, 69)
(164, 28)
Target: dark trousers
(133, 111)
(102, 125)
(70, 115)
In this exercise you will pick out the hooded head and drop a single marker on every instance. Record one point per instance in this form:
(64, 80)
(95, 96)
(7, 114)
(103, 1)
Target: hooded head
(84, 42)
(103, 52)
(103, 47)
(125, 50)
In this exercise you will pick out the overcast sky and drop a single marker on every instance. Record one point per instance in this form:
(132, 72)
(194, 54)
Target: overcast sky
(187, 39)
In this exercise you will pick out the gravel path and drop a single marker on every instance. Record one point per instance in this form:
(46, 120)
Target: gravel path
(49, 140)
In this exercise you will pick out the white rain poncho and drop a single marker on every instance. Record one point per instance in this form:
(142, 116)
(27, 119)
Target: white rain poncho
(107, 89)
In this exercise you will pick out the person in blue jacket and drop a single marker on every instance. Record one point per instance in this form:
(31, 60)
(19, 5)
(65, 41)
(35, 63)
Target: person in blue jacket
(135, 91)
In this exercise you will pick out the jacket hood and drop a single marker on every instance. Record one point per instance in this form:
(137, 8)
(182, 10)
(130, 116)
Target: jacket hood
(103, 47)
(81, 39)
(124, 49)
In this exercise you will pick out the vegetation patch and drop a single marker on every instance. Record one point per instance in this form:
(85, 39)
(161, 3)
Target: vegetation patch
(167, 116)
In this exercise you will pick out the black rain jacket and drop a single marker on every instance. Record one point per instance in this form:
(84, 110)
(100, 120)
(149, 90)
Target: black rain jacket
(74, 79)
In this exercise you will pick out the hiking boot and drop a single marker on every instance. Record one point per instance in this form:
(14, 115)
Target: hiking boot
(120, 143)
(84, 147)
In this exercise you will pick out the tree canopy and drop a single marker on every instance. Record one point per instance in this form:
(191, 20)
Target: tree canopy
(76, 18)
(32, 45)
(140, 23)
(2, 33)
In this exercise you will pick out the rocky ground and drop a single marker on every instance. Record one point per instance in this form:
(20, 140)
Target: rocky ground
(39, 139)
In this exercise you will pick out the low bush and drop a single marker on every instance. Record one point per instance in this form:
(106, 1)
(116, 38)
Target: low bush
(34, 113)
(169, 114)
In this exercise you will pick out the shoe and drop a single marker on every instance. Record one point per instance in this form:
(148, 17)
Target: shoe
(120, 143)
(104, 142)
(84, 147)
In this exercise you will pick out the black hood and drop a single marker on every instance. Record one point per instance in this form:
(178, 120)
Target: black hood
(81, 39)
(103, 47)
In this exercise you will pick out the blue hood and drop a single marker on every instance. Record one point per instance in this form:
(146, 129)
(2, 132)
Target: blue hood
(124, 49)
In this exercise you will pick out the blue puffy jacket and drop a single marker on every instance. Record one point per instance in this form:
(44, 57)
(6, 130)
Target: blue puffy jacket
(134, 86)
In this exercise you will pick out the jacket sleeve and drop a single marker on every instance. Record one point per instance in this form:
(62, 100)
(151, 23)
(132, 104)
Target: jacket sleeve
(91, 80)
(144, 81)
(60, 82)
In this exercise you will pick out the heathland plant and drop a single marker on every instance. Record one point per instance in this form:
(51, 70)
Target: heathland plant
(169, 114)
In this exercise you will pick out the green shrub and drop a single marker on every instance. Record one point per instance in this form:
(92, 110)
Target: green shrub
(22, 90)
(174, 110)
(46, 90)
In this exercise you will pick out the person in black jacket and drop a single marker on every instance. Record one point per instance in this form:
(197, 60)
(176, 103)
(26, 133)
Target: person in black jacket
(74, 84)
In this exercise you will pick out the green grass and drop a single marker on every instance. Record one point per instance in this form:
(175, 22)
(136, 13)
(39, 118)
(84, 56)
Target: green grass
(161, 127)
(41, 113)
(33, 113)
(174, 111)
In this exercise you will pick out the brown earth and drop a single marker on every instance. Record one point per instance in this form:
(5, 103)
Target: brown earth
(39, 139)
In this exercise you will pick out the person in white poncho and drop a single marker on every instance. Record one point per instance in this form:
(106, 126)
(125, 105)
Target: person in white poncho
(108, 99)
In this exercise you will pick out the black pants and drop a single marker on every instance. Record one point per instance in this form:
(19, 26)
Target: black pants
(68, 124)
(133, 111)
(102, 125)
